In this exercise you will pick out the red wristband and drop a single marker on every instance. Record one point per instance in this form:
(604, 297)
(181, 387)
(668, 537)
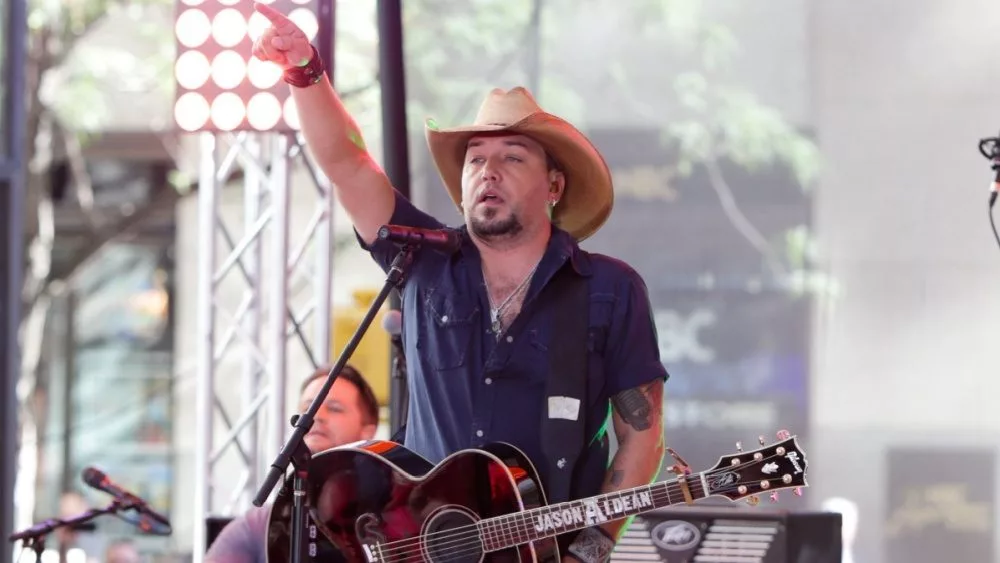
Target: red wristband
(306, 74)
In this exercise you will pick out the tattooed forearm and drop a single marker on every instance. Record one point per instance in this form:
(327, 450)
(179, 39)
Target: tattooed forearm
(635, 405)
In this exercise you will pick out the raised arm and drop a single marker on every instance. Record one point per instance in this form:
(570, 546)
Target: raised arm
(331, 134)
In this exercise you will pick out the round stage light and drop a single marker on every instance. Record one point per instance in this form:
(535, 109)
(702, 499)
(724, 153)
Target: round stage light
(263, 111)
(192, 70)
(228, 111)
(263, 75)
(192, 28)
(306, 20)
(229, 27)
(257, 25)
(191, 111)
(228, 70)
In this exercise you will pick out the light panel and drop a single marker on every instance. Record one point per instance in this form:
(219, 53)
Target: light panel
(220, 86)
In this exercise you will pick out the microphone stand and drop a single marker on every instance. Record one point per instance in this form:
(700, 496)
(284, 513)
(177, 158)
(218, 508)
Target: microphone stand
(399, 395)
(295, 450)
(34, 537)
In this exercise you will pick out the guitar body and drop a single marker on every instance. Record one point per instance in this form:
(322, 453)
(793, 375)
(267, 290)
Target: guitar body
(379, 500)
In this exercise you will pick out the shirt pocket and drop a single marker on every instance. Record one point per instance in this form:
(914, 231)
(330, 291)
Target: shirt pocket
(447, 329)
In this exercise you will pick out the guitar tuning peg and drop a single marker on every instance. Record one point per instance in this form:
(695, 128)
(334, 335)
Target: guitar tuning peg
(797, 491)
(753, 500)
(739, 447)
(774, 496)
(761, 440)
(784, 434)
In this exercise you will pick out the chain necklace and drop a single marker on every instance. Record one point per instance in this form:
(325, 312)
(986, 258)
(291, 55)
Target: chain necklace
(497, 312)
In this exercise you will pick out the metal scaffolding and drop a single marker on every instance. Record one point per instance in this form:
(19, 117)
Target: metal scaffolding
(245, 313)
(13, 25)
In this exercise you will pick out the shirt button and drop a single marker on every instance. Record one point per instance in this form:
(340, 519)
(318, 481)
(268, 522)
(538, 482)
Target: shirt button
(510, 339)
(489, 380)
(479, 433)
(444, 318)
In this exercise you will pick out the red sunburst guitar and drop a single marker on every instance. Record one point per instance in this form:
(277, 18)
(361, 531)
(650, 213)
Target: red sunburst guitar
(377, 502)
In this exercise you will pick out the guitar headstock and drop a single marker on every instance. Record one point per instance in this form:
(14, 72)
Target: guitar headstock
(764, 470)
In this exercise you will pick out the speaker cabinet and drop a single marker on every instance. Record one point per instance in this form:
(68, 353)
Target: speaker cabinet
(731, 535)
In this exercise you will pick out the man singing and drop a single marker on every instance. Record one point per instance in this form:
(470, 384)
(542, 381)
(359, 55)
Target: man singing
(479, 324)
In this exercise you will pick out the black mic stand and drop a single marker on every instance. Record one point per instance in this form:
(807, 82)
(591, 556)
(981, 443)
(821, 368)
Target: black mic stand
(34, 537)
(399, 394)
(295, 451)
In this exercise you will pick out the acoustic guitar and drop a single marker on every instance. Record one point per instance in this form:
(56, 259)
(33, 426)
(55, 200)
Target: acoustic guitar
(378, 502)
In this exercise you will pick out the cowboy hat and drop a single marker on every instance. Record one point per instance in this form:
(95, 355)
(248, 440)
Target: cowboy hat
(588, 197)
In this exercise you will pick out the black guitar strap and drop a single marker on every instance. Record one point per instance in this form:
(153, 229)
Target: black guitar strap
(564, 414)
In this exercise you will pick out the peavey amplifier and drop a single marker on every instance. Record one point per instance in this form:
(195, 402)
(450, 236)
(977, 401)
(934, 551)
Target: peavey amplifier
(731, 535)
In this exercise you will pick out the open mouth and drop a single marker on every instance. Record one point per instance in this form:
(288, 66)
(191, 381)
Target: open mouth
(490, 196)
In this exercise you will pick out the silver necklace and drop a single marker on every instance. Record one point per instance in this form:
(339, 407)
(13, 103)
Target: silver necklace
(497, 312)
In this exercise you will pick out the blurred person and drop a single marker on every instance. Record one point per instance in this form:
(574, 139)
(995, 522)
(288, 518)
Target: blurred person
(349, 414)
(122, 551)
(530, 187)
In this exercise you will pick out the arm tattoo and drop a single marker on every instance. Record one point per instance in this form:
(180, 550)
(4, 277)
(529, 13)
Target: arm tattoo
(635, 405)
(616, 477)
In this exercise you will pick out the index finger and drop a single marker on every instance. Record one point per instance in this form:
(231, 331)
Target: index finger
(274, 16)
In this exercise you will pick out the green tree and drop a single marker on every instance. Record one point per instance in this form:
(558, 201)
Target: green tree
(64, 104)
(451, 60)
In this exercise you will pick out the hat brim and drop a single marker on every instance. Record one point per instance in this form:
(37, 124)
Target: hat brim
(589, 194)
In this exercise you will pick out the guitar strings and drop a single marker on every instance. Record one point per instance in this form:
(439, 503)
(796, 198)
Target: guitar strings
(468, 541)
(459, 534)
(405, 549)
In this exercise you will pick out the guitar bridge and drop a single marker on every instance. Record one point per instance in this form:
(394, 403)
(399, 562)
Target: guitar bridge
(369, 554)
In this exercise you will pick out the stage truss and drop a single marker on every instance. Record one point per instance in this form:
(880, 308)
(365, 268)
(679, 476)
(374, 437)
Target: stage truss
(248, 321)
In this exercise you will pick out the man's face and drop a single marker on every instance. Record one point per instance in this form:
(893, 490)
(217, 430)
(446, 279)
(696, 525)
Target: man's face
(506, 185)
(340, 420)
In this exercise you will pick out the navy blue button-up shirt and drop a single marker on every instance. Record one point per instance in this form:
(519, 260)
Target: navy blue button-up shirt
(452, 358)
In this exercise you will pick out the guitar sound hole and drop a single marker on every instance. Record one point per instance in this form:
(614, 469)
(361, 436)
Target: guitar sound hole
(450, 536)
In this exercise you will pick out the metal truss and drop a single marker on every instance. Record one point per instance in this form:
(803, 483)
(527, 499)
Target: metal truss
(247, 274)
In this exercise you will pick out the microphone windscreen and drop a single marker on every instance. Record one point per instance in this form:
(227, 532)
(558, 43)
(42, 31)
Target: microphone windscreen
(93, 476)
(392, 322)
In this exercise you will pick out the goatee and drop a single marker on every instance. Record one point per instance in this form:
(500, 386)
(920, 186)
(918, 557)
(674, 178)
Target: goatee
(486, 228)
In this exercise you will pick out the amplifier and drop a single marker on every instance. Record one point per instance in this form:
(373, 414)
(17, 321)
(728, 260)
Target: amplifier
(731, 535)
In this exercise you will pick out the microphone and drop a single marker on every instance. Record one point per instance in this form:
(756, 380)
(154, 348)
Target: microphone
(444, 240)
(990, 148)
(147, 516)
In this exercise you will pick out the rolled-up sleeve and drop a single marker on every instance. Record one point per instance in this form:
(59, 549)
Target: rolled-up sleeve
(404, 214)
(242, 540)
(633, 355)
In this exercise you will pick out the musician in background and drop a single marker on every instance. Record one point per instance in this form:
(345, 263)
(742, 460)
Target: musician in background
(122, 551)
(349, 414)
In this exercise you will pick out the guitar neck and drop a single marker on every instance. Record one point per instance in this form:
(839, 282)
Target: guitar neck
(509, 530)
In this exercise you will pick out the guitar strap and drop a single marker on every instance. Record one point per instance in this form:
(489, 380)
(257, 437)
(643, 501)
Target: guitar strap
(564, 416)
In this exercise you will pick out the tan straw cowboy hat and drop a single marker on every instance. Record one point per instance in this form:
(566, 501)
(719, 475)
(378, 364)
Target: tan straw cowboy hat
(587, 200)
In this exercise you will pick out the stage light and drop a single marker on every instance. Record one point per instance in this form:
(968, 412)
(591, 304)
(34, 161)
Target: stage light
(220, 86)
